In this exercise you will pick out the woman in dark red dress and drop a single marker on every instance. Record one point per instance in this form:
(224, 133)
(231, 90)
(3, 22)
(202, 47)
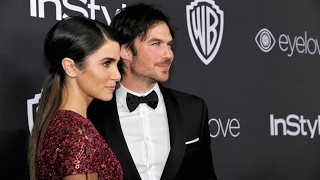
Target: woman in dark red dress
(83, 56)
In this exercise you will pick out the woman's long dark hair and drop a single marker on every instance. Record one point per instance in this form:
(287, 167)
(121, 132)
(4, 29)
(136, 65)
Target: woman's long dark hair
(75, 38)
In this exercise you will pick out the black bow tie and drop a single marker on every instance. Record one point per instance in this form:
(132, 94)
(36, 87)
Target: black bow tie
(133, 101)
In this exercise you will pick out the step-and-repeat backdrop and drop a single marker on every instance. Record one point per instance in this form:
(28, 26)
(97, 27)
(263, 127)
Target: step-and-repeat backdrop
(256, 63)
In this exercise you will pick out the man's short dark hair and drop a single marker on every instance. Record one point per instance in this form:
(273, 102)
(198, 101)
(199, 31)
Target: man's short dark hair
(134, 21)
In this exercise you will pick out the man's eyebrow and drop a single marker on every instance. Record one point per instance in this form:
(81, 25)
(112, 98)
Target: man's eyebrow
(155, 39)
(159, 40)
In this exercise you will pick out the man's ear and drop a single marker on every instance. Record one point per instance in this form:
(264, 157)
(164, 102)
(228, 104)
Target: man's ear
(69, 67)
(125, 52)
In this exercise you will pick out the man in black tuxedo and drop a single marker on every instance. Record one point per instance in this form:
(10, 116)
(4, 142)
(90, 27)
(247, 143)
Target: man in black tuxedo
(156, 132)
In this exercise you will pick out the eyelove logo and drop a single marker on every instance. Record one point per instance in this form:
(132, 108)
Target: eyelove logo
(265, 40)
(232, 127)
(205, 23)
(300, 44)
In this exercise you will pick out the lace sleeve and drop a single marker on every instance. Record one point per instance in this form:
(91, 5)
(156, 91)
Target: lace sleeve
(79, 153)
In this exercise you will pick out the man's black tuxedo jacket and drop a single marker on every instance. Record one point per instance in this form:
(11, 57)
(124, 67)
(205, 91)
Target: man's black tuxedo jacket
(187, 119)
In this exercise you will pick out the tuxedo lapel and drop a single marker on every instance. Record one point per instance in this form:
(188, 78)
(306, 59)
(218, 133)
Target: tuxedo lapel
(115, 139)
(176, 130)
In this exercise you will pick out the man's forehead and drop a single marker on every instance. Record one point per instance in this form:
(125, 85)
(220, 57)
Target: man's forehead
(159, 31)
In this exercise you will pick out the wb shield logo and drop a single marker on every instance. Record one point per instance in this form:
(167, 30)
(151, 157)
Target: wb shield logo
(32, 105)
(205, 27)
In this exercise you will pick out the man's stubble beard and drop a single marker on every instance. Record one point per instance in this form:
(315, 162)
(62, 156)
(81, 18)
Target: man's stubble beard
(152, 77)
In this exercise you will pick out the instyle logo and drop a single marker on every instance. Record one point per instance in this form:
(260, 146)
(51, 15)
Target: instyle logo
(294, 125)
(37, 9)
(231, 127)
(32, 105)
(205, 23)
(297, 44)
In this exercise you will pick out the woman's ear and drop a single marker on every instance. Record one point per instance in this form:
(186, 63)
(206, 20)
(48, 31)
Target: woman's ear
(69, 67)
(125, 53)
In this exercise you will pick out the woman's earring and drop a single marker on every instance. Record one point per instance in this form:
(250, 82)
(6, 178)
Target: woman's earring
(68, 73)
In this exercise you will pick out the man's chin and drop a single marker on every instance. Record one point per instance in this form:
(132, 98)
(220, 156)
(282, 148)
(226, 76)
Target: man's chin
(164, 79)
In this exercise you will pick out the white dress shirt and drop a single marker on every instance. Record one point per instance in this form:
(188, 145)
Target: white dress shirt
(146, 132)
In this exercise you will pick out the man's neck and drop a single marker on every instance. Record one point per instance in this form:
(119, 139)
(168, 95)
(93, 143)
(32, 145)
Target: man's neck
(138, 86)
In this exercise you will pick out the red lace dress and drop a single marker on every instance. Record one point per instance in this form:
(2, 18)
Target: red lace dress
(72, 145)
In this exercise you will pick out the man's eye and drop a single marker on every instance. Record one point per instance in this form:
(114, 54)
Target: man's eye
(156, 44)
